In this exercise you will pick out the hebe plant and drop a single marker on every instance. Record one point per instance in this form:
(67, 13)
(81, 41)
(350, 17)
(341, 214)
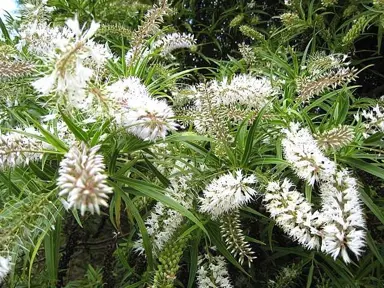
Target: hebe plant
(120, 169)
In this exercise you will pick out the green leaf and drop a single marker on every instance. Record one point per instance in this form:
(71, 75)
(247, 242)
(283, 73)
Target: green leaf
(371, 205)
(271, 225)
(202, 151)
(329, 272)
(362, 165)
(372, 245)
(157, 193)
(34, 253)
(51, 251)
(77, 218)
(375, 138)
(265, 161)
(250, 239)
(251, 134)
(77, 131)
(39, 173)
(4, 30)
(252, 211)
(340, 268)
(157, 173)
(292, 250)
(96, 136)
(308, 192)
(186, 137)
(11, 186)
(53, 140)
(140, 222)
(193, 253)
(310, 275)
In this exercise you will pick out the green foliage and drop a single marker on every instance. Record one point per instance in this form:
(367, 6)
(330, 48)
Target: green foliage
(153, 232)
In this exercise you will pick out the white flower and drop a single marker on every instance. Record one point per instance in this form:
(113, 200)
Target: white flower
(148, 120)
(170, 42)
(136, 53)
(163, 221)
(40, 37)
(133, 108)
(33, 12)
(374, 120)
(5, 267)
(212, 106)
(213, 272)
(127, 89)
(227, 193)
(303, 153)
(73, 58)
(82, 178)
(293, 213)
(60, 129)
(17, 148)
(245, 89)
(247, 53)
(161, 225)
(45, 85)
(344, 224)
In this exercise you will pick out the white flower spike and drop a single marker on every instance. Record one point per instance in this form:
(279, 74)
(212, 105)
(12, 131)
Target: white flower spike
(305, 156)
(343, 216)
(227, 193)
(83, 180)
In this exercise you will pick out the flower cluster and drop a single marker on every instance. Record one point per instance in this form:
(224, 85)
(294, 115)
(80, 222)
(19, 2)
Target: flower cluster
(319, 63)
(234, 238)
(293, 213)
(171, 42)
(344, 224)
(208, 117)
(286, 277)
(135, 110)
(373, 120)
(5, 267)
(70, 71)
(340, 224)
(17, 149)
(358, 27)
(305, 156)
(213, 272)
(40, 38)
(82, 178)
(247, 53)
(35, 11)
(244, 89)
(335, 138)
(13, 69)
(329, 3)
(290, 20)
(323, 74)
(227, 193)
(161, 225)
(213, 105)
(163, 222)
(169, 259)
(338, 228)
